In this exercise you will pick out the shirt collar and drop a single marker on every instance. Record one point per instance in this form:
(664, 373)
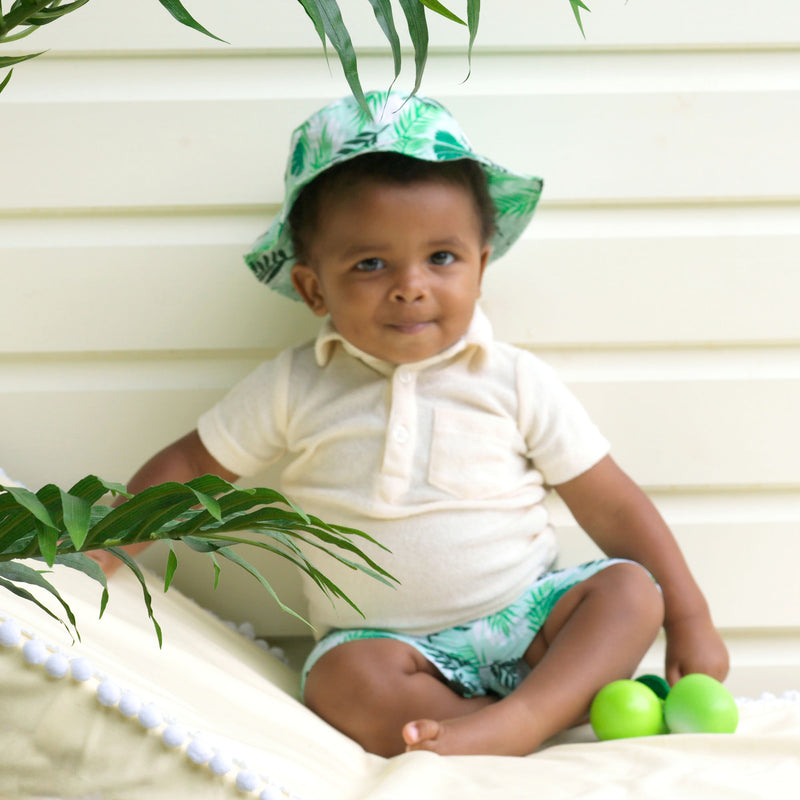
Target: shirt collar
(476, 343)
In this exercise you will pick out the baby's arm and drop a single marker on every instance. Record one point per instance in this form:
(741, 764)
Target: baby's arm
(181, 461)
(623, 522)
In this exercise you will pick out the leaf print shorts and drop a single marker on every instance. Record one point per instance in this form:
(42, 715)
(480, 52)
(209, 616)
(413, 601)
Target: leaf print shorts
(484, 656)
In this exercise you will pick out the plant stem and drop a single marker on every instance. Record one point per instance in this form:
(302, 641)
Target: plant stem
(26, 9)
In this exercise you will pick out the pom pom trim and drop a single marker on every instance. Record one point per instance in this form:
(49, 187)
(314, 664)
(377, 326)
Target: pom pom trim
(58, 664)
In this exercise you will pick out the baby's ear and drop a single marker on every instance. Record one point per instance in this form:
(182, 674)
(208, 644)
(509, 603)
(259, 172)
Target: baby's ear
(306, 283)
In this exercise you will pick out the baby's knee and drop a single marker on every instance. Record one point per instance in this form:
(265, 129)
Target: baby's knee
(636, 586)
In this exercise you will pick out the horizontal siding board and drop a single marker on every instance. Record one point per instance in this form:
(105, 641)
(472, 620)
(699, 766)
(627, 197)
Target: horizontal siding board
(548, 292)
(228, 152)
(701, 433)
(650, 290)
(144, 298)
(746, 579)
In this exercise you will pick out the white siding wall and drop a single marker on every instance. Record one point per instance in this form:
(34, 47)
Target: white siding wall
(661, 275)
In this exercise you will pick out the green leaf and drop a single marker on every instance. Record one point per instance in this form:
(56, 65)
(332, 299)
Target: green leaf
(176, 9)
(418, 30)
(172, 565)
(148, 600)
(473, 18)
(5, 80)
(13, 37)
(385, 18)
(91, 488)
(31, 503)
(231, 555)
(435, 5)
(48, 542)
(330, 16)
(22, 573)
(47, 15)
(26, 595)
(577, 5)
(217, 570)
(88, 566)
(77, 514)
(9, 61)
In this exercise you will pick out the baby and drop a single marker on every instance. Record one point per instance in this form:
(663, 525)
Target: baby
(406, 419)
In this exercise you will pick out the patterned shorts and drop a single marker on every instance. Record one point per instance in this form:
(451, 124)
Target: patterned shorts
(483, 656)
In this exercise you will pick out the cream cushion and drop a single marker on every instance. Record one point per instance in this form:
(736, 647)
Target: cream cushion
(221, 697)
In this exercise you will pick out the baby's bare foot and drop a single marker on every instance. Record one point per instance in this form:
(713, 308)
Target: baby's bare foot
(422, 734)
(484, 732)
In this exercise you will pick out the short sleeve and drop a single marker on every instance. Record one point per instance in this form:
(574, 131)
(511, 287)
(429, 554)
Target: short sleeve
(563, 442)
(246, 430)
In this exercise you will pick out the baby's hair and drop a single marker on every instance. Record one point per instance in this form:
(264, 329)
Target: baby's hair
(390, 168)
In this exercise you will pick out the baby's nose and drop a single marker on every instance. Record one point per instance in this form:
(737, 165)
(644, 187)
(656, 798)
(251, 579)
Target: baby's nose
(410, 284)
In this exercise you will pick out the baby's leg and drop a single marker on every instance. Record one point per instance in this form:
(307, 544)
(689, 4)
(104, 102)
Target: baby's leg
(597, 632)
(370, 688)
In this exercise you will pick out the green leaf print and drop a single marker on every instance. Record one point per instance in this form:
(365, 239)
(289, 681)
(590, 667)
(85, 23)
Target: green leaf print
(298, 160)
(413, 125)
(324, 148)
(362, 142)
(510, 197)
(503, 621)
(446, 146)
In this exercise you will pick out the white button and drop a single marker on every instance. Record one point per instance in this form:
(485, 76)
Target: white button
(400, 434)
(404, 376)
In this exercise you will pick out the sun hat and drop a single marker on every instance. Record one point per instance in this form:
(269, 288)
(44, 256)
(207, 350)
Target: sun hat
(418, 127)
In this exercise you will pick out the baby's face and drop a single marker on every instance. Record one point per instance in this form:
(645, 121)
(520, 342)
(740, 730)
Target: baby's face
(398, 268)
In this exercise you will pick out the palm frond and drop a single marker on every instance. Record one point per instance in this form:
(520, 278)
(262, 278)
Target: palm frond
(208, 514)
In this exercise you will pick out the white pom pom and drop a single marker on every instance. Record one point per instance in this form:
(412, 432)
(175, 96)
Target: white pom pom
(271, 793)
(199, 751)
(57, 666)
(246, 781)
(247, 630)
(108, 693)
(278, 653)
(34, 651)
(220, 764)
(10, 634)
(150, 716)
(82, 669)
(129, 705)
(174, 735)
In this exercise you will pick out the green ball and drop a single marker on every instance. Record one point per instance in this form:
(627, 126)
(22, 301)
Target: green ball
(656, 683)
(698, 703)
(624, 709)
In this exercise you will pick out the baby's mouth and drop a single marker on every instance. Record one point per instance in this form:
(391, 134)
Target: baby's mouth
(409, 327)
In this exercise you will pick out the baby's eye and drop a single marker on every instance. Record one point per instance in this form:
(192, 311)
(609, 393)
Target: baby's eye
(442, 258)
(370, 265)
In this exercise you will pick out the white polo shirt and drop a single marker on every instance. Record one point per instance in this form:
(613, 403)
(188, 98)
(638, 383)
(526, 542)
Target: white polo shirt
(444, 461)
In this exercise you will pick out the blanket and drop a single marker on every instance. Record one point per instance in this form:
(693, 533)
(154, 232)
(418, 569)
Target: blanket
(215, 714)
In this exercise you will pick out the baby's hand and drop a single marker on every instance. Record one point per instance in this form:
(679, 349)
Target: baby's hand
(695, 645)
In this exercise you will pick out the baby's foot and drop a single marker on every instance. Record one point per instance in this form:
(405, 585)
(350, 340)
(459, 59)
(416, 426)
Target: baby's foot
(423, 734)
(483, 732)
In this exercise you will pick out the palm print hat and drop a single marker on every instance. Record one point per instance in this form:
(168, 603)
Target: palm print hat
(416, 127)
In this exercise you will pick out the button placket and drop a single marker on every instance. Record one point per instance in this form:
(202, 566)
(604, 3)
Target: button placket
(402, 425)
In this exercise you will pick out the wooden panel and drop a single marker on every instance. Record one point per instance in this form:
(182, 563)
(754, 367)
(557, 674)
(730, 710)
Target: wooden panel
(194, 292)
(651, 289)
(701, 433)
(642, 147)
(747, 585)
(144, 298)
